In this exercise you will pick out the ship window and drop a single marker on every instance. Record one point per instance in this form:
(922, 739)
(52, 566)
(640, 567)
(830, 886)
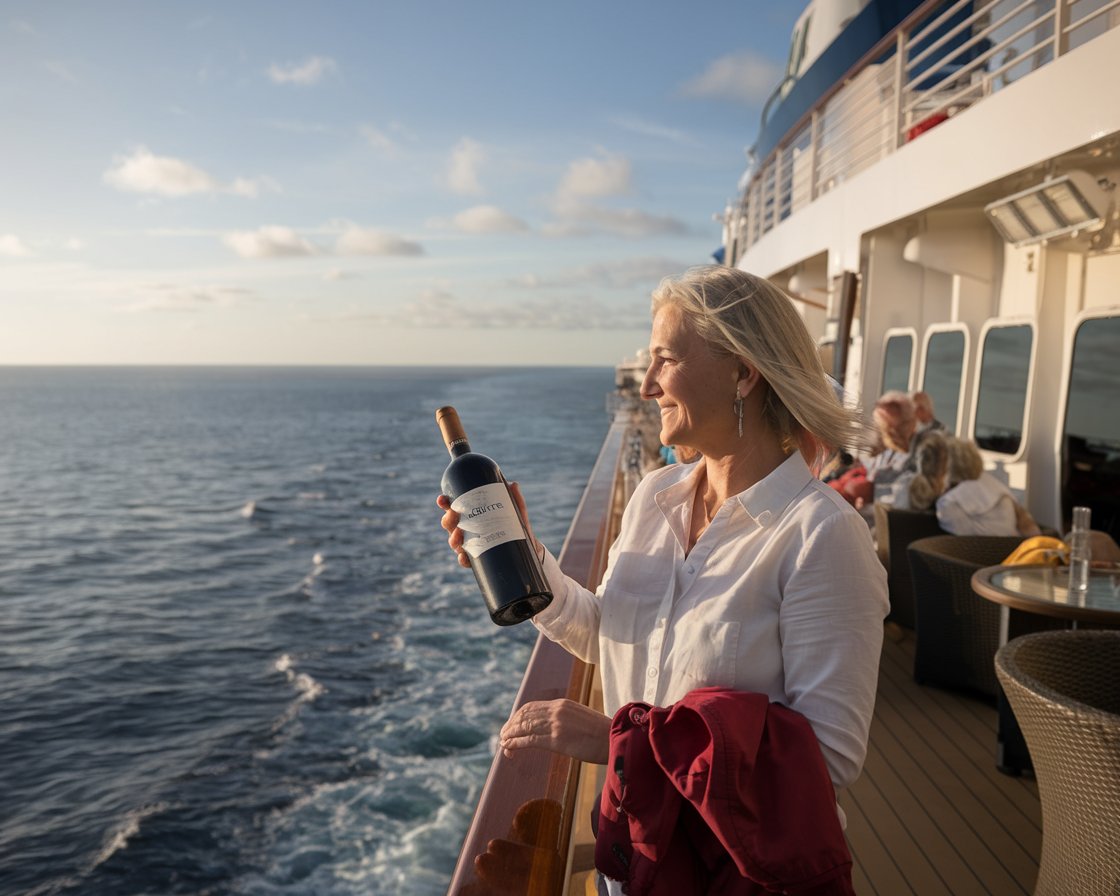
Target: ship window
(896, 363)
(1001, 400)
(1091, 434)
(942, 376)
(797, 48)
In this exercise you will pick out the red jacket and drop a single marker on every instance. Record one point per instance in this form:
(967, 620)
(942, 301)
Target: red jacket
(723, 793)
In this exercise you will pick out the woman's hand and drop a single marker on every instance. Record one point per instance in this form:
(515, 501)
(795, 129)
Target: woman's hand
(450, 522)
(562, 726)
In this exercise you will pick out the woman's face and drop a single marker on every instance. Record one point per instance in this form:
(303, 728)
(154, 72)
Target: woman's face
(694, 387)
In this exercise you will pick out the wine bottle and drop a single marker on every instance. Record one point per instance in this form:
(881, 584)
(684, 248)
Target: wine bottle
(503, 558)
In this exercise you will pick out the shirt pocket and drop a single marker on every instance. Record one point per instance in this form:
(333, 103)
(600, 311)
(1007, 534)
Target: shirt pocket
(626, 617)
(708, 655)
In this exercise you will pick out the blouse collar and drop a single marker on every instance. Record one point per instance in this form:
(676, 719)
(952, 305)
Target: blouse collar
(764, 502)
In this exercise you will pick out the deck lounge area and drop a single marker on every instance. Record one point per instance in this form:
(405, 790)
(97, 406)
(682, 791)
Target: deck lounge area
(931, 814)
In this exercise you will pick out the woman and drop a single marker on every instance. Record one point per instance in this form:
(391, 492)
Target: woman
(741, 569)
(928, 483)
(975, 502)
(897, 422)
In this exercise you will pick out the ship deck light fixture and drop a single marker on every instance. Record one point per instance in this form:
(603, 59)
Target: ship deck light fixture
(1056, 207)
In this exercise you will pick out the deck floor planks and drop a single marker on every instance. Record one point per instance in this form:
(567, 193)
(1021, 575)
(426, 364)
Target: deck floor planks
(931, 814)
(1012, 800)
(874, 872)
(960, 795)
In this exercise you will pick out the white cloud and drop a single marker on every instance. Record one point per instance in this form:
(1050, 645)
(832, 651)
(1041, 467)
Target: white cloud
(284, 242)
(243, 186)
(657, 131)
(311, 71)
(608, 175)
(62, 71)
(294, 126)
(439, 309)
(168, 297)
(585, 219)
(623, 273)
(13, 247)
(605, 177)
(488, 219)
(463, 169)
(269, 242)
(370, 241)
(145, 172)
(743, 78)
(75, 244)
(379, 140)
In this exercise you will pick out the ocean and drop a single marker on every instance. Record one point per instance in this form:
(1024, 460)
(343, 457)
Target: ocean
(236, 654)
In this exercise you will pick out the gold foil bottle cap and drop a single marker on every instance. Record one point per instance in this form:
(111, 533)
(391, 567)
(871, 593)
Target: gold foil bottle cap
(450, 425)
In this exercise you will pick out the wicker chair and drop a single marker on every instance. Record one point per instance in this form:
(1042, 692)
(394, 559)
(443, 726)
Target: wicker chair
(895, 530)
(956, 631)
(1065, 690)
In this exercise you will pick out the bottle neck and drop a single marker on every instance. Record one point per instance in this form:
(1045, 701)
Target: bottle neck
(459, 447)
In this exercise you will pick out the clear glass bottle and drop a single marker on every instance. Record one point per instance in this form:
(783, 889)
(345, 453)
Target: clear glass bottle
(1079, 550)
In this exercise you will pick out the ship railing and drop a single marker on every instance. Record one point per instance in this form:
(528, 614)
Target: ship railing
(520, 839)
(948, 56)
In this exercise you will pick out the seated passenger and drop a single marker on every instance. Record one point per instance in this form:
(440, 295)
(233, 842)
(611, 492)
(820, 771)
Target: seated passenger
(896, 421)
(976, 503)
(927, 483)
(923, 410)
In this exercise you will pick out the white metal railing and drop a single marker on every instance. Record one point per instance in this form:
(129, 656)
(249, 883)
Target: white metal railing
(947, 57)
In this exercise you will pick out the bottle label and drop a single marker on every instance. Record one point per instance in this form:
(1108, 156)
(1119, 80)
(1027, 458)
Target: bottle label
(487, 517)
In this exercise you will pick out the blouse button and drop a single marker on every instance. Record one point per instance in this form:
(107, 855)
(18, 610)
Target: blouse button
(651, 672)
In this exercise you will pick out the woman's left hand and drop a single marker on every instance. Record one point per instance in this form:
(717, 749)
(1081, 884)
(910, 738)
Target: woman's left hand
(562, 726)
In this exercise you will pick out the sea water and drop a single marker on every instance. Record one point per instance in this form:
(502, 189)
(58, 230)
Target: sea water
(236, 654)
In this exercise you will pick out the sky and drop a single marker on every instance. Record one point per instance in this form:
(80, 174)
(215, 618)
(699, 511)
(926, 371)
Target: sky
(368, 182)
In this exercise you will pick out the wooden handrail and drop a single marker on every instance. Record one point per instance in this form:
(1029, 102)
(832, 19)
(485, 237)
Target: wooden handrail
(518, 839)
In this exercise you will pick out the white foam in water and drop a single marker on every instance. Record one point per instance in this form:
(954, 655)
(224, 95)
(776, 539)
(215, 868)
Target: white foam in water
(126, 830)
(396, 834)
(306, 687)
(337, 730)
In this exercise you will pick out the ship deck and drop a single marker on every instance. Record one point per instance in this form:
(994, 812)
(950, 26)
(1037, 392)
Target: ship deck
(931, 814)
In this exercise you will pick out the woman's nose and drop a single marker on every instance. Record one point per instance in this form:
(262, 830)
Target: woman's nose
(650, 389)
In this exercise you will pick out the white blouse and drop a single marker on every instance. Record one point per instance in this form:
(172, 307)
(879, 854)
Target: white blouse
(782, 594)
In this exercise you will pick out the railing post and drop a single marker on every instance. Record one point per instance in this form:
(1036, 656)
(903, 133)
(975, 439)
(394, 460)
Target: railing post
(1061, 22)
(899, 82)
(814, 145)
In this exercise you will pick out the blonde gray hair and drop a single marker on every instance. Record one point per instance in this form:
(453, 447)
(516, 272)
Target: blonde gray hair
(743, 315)
(931, 457)
(965, 462)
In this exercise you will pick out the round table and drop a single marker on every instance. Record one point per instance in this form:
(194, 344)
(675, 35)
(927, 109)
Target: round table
(1045, 590)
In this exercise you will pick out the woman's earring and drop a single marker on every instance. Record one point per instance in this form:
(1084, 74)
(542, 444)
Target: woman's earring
(739, 411)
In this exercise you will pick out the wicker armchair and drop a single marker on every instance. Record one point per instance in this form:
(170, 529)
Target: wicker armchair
(895, 530)
(1065, 690)
(956, 631)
